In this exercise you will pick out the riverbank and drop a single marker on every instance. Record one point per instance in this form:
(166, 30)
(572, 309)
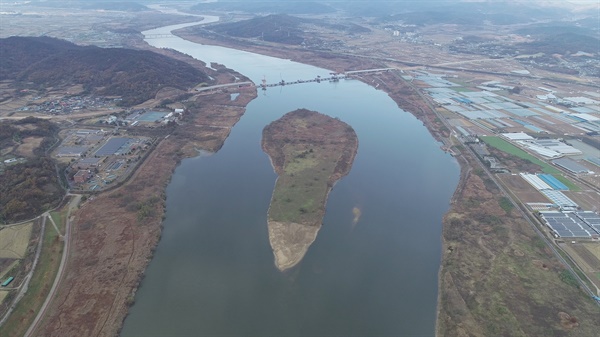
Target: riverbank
(115, 233)
(115, 250)
(496, 275)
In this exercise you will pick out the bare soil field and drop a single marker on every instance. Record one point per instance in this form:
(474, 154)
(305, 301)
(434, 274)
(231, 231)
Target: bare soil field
(27, 146)
(7, 265)
(14, 241)
(521, 189)
(585, 252)
(3, 295)
(593, 248)
(588, 200)
(586, 257)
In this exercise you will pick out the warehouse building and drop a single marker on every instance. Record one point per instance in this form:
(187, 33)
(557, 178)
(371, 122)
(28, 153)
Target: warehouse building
(571, 166)
(71, 151)
(113, 146)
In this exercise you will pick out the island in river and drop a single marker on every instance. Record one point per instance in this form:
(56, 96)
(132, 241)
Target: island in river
(310, 152)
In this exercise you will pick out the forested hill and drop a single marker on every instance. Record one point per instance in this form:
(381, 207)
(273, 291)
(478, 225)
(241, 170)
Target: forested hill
(135, 75)
(281, 28)
(28, 189)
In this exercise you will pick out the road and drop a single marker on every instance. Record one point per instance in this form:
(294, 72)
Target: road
(517, 204)
(218, 86)
(524, 214)
(61, 268)
(25, 285)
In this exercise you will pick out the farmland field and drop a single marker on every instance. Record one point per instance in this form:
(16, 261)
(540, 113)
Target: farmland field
(3, 295)
(594, 248)
(28, 145)
(511, 149)
(14, 241)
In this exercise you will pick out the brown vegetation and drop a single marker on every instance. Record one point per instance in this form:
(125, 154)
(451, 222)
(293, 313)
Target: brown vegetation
(490, 280)
(497, 275)
(29, 188)
(115, 233)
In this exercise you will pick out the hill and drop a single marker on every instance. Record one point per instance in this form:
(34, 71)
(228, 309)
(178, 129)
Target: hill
(474, 13)
(562, 43)
(281, 28)
(28, 188)
(134, 75)
(122, 6)
(273, 7)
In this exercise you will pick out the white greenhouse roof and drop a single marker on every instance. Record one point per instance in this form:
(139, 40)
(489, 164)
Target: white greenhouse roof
(517, 136)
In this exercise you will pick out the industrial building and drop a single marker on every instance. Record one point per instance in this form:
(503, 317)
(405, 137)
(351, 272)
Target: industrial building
(572, 224)
(571, 166)
(71, 151)
(113, 146)
(551, 188)
(86, 163)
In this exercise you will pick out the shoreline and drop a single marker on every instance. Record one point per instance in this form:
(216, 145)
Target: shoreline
(291, 239)
(114, 318)
(406, 105)
(453, 315)
(112, 243)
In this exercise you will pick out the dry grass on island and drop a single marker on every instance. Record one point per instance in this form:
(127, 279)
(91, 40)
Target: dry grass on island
(310, 152)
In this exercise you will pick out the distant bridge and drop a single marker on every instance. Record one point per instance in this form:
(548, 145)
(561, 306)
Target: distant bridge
(335, 77)
(158, 36)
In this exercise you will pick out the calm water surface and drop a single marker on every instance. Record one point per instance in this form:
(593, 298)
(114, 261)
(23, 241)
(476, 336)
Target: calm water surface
(213, 272)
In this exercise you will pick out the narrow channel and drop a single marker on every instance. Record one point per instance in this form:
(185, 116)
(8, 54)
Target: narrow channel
(213, 271)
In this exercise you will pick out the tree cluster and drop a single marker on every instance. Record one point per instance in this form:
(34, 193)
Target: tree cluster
(28, 189)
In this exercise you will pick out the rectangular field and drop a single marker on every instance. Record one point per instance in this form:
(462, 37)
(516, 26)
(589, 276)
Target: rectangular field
(14, 241)
(594, 249)
(3, 295)
(509, 148)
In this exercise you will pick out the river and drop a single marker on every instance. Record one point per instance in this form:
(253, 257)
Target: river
(213, 272)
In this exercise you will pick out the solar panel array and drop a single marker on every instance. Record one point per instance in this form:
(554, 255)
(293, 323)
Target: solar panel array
(112, 146)
(591, 218)
(71, 150)
(572, 225)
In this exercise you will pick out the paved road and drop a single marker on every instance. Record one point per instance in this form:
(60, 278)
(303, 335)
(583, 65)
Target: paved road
(218, 86)
(61, 269)
(25, 285)
(535, 227)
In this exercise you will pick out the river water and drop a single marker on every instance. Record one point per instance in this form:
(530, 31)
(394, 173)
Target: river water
(213, 272)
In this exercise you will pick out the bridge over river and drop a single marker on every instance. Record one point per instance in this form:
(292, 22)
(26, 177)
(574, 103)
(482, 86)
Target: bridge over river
(264, 85)
(333, 78)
